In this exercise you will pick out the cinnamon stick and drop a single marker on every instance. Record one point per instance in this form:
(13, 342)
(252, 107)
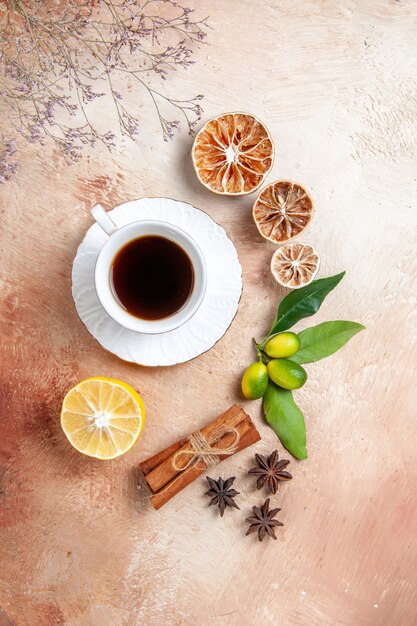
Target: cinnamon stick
(154, 461)
(165, 481)
(188, 476)
(165, 471)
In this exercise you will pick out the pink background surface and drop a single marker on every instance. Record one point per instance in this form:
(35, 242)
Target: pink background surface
(79, 543)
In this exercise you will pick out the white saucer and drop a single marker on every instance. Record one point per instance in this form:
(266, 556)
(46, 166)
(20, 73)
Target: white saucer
(209, 323)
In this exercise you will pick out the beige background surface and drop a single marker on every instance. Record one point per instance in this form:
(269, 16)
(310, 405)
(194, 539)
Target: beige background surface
(335, 81)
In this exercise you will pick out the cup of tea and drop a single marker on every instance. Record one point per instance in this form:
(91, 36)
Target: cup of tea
(150, 276)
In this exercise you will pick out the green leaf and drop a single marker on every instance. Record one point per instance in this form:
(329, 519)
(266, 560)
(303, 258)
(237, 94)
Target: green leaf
(284, 416)
(303, 302)
(322, 340)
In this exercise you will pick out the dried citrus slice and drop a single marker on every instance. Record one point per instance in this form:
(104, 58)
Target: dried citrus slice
(233, 153)
(295, 264)
(102, 417)
(282, 211)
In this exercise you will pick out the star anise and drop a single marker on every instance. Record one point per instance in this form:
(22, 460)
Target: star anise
(262, 521)
(270, 471)
(221, 493)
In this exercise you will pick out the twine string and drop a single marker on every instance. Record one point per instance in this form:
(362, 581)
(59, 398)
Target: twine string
(204, 450)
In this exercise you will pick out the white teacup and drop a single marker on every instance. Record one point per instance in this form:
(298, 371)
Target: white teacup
(117, 239)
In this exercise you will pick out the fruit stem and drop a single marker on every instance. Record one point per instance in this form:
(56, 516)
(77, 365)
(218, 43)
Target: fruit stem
(264, 341)
(262, 356)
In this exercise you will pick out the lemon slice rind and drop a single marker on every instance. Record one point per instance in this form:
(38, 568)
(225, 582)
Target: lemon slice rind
(102, 417)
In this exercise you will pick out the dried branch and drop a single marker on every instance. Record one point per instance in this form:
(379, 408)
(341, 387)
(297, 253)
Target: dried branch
(57, 56)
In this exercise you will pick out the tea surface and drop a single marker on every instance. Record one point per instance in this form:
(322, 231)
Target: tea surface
(153, 277)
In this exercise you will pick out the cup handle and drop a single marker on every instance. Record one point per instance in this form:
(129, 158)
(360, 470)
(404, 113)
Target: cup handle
(102, 218)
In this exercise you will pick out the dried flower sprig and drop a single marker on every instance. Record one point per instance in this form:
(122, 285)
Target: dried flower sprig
(8, 166)
(56, 57)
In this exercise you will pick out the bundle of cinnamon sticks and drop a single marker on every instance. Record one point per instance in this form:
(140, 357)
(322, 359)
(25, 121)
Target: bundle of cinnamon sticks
(172, 469)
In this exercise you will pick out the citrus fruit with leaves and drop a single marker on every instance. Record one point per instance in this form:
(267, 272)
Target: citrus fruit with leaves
(102, 417)
(282, 345)
(233, 153)
(315, 343)
(282, 211)
(255, 381)
(286, 373)
(295, 265)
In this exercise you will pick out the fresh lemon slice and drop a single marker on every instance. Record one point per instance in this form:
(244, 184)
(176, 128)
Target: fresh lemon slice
(102, 417)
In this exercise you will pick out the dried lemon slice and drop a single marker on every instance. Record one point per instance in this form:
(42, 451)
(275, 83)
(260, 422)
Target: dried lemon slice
(282, 211)
(233, 153)
(102, 417)
(295, 264)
